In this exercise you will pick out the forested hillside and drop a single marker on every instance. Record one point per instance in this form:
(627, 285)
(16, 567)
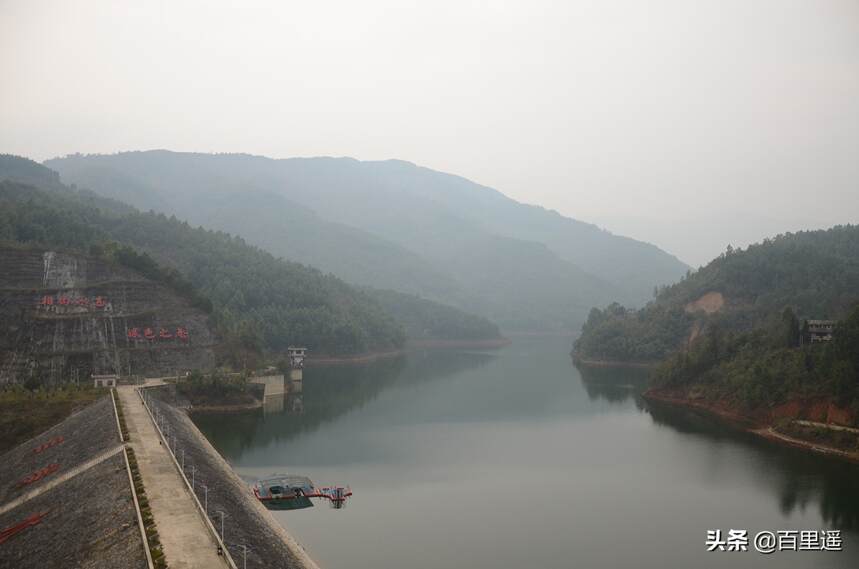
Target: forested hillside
(732, 333)
(260, 301)
(394, 225)
(427, 320)
(768, 366)
(17, 169)
(815, 273)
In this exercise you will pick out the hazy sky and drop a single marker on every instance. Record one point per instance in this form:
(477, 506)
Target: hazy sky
(691, 124)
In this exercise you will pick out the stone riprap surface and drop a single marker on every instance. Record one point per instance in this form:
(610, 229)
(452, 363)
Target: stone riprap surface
(66, 316)
(85, 434)
(247, 521)
(90, 523)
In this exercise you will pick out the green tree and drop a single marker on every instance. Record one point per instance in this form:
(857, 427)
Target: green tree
(790, 331)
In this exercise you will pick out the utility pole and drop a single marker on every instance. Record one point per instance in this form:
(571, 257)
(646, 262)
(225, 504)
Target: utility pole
(222, 523)
(244, 555)
(205, 498)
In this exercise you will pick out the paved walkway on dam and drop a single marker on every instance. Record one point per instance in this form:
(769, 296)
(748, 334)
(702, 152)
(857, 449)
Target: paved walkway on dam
(185, 539)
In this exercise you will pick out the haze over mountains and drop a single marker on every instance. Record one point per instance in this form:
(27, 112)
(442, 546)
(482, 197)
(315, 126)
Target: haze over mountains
(394, 225)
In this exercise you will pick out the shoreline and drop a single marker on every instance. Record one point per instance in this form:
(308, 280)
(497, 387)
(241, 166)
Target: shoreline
(613, 363)
(365, 358)
(748, 424)
(770, 434)
(225, 408)
(411, 345)
(464, 344)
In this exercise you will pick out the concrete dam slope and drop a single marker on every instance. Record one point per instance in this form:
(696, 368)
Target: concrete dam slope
(64, 317)
(66, 498)
(81, 437)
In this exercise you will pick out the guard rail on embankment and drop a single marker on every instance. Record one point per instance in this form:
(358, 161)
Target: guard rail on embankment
(201, 509)
(249, 529)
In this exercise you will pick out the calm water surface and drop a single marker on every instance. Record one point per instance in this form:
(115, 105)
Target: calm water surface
(513, 458)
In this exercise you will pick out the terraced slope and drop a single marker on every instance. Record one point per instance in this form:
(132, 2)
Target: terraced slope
(67, 316)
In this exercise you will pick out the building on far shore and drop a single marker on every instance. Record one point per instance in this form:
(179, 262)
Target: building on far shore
(104, 380)
(816, 331)
(296, 357)
(296, 362)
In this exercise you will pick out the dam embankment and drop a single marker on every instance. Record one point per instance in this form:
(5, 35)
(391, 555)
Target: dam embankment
(248, 528)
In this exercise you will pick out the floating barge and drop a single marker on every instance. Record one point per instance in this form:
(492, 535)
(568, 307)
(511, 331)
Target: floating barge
(288, 492)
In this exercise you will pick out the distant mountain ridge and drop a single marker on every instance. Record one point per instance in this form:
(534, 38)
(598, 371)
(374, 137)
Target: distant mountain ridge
(394, 225)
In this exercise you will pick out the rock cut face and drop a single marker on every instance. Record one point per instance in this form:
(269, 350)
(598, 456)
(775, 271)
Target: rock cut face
(65, 317)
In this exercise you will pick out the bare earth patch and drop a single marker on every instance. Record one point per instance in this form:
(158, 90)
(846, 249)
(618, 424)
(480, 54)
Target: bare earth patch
(709, 303)
(695, 332)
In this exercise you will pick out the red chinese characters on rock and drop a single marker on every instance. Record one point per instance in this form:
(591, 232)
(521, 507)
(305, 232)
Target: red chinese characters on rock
(99, 302)
(150, 334)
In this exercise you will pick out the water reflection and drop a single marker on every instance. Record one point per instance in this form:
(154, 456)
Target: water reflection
(798, 478)
(615, 385)
(457, 425)
(273, 403)
(292, 399)
(326, 393)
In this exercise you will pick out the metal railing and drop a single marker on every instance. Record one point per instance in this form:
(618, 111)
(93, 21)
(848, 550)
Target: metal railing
(160, 425)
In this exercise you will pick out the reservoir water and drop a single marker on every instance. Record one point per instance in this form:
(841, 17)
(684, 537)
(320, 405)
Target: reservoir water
(514, 458)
